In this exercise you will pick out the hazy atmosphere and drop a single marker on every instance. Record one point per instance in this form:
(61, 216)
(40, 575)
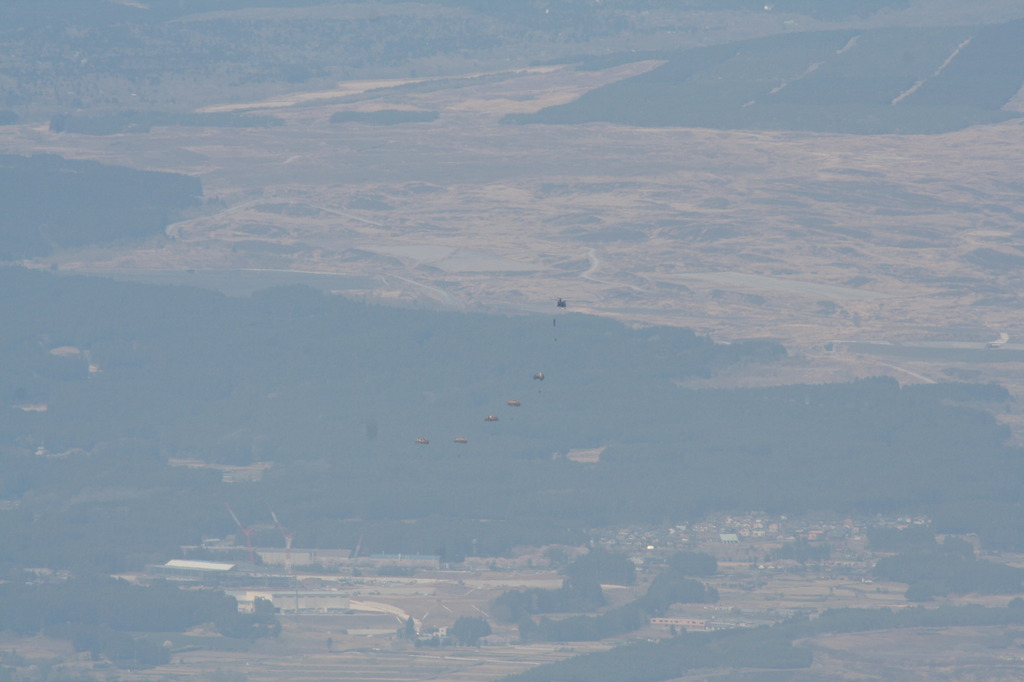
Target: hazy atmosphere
(521, 341)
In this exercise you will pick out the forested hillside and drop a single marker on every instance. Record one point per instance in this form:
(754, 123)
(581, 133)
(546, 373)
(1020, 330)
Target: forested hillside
(893, 80)
(765, 650)
(50, 203)
(104, 382)
(172, 55)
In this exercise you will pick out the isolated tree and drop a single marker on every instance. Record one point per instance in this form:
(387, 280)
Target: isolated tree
(693, 563)
(601, 566)
(468, 630)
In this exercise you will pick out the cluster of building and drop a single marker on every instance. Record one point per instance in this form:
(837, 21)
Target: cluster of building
(297, 580)
(750, 529)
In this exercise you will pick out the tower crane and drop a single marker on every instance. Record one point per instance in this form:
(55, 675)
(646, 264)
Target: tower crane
(287, 535)
(247, 531)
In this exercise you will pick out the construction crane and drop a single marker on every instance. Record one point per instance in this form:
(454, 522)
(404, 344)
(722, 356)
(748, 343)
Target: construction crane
(287, 535)
(247, 531)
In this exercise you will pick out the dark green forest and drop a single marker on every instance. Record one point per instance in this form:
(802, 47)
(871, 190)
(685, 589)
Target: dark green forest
(581, 593)
(103, 58)
(760, 648)
(102, 615)
(95, 203)
(170, 55)
(385, 117)
(889, 80)
(668, 588)
(103, 383)
(950, 568)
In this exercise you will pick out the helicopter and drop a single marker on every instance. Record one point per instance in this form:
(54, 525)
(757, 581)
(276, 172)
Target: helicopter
(560, 302)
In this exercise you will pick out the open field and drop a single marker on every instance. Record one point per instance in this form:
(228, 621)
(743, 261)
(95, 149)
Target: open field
(982, 653)
(806, 238)
(360, 645)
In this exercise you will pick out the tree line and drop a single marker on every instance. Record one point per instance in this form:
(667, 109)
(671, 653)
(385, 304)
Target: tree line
(766, 647)
(296, 378)
(104, 615)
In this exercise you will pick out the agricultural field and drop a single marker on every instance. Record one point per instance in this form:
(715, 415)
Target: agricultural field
(362, 643)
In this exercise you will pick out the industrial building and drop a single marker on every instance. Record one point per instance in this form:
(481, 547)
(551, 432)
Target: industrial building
(205, 572)
(216, 574)
(294, 601)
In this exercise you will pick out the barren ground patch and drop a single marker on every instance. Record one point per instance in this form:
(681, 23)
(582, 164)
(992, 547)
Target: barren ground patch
(888, 238)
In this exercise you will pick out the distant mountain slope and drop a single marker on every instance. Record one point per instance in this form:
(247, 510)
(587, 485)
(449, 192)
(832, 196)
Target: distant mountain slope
(51, 203)
(896, 80)
(334, 364)
(94, 13)
(101, 56)
(102, 382)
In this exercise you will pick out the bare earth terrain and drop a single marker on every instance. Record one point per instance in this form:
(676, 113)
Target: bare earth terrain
(808, 238)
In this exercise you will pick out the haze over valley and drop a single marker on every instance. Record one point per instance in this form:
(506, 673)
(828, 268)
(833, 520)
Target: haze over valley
(283, 365)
